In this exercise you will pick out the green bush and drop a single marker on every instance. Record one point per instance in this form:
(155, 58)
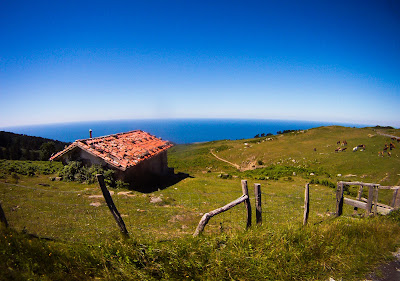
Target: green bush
(323, 182)
(76, 171)
(121, 184)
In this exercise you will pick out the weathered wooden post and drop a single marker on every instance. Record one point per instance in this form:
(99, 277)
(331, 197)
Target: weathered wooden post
(376, 190)
(111, 206)
(339, 199)
(3, 219)
(257, 193)
(359, 195)
(394, 198)
(306, 203)
(247, 202)
(370, 198)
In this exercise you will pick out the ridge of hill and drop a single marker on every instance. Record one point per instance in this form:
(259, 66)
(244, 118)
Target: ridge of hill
(23, 147)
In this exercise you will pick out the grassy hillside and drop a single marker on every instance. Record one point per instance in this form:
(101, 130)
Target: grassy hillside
(312, 149)
(302, 155)
(64, 230)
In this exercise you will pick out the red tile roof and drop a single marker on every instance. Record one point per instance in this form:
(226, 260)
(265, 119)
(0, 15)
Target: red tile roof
(121, 150)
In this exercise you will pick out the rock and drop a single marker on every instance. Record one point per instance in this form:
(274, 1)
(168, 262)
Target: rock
(155, 200)
(126, 193)
(95, 204)
(95, 196)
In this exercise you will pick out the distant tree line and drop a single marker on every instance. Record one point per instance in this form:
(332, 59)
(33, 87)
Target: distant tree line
(22, 147)
(286, 131)
(262, 135)
(269, 134)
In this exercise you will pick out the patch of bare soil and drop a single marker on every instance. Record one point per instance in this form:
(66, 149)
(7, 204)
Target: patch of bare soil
(387, 271)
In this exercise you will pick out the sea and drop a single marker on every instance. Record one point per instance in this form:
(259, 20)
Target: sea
(179, 131)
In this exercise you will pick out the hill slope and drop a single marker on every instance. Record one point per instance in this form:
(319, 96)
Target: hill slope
(312, 150)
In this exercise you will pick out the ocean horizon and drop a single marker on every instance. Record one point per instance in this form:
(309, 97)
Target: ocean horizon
(180, 131)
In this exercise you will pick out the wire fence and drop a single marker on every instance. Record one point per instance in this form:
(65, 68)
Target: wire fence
(54, 212)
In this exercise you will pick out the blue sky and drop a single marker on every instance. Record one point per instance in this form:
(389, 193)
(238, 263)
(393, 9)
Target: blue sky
(67, 61)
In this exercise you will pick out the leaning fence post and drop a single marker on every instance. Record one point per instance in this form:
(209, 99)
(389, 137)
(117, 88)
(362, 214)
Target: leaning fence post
(339, 199)
(111, 206)
(207, 216)
(257, 193)
(3, 219)
(306, 203)
(247, 202)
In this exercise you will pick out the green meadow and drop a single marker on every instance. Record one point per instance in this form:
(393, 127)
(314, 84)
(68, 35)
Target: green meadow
(64, 230)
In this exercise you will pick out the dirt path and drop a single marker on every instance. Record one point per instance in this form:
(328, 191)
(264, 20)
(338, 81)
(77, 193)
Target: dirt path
(386, 135)
(226, 161)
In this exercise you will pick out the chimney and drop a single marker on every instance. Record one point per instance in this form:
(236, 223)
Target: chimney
(90, 133)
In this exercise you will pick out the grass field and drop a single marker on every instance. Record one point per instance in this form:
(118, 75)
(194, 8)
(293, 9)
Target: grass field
(69, 226)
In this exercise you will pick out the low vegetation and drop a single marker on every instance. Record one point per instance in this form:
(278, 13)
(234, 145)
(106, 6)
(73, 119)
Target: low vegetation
(341, 248)
(64, 230)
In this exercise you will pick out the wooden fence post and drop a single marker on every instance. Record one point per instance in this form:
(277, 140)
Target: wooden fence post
(339, 199)
(111, 206)
(376, 190)
(257, 193)
(3, 219)
(247, 202)
(394, 197)
(306, 203)
(359, 195)
(370, 198)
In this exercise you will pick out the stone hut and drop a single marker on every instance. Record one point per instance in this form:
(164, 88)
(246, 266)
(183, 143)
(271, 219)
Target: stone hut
(136, 156)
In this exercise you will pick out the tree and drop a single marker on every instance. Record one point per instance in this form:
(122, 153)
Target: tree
(15, 151)
(46, 150)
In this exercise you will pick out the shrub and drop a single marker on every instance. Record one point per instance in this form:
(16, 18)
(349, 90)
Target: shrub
(69, 171)
(121, 184)
(15, 177)
(76, 171)
(323, 182)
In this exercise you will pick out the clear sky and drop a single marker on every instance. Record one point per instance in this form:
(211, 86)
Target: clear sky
(64, 61)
